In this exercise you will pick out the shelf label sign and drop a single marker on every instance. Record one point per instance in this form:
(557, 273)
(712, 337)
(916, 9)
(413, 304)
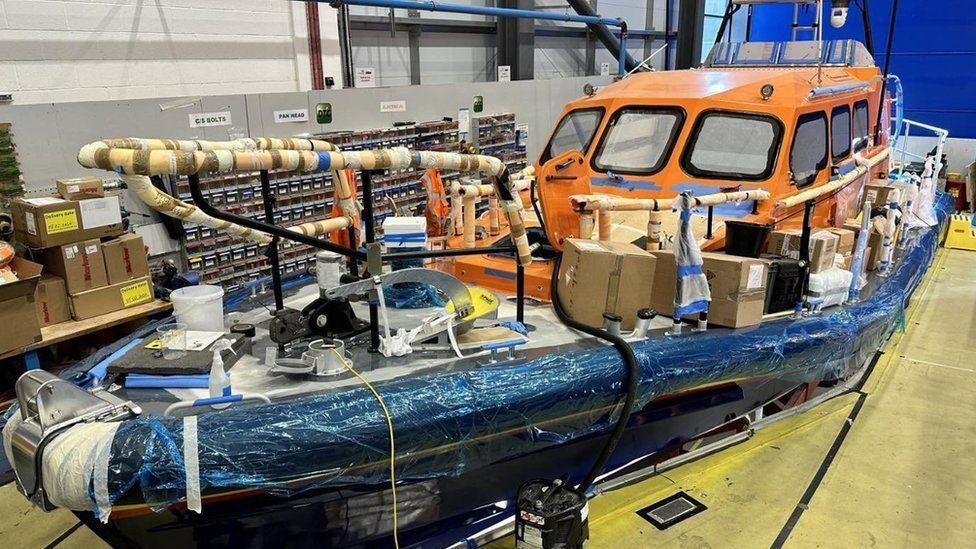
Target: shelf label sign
(291, 115)
(206, 119)
(393, 106)
(134, 294)
(365, 77)
(604, 69)
(504, 73)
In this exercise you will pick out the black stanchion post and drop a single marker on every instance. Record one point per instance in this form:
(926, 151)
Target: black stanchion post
(711, 218)
(519, 291)
(369, 225)
(805, 253)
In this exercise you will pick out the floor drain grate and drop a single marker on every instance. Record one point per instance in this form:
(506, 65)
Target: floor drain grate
(671, 510)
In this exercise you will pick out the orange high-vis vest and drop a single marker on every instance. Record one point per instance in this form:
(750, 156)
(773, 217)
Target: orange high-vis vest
(341, 237)
(438, 210)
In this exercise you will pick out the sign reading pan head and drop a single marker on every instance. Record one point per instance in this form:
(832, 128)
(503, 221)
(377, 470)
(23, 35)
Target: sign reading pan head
(291, 115)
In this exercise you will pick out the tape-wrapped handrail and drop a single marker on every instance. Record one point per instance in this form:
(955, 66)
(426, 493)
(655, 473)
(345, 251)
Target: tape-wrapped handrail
(602, 202)
(146, 157)
(862, 165)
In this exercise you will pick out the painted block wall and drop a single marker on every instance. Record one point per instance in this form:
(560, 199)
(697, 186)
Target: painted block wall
(76, 50)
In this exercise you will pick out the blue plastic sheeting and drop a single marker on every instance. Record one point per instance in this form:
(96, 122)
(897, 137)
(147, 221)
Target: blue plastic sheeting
(456, 421)
(411, 295)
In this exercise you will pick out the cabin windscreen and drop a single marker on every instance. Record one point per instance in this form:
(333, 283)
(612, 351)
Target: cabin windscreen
(638, 140)
(809, 152)
(732, 146)
(840, 133)
(573, 133)
(861, 131)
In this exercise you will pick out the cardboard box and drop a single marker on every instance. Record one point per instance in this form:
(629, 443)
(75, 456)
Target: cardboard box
(51, 221)
(737, 285)
(111, 298)
(51, 299)
(600, 277)
(845, 239)
(80, 264)
(125, 258)
(77, 188)
(20, 327)
(875, 240)
(877, 192)
(823, 246)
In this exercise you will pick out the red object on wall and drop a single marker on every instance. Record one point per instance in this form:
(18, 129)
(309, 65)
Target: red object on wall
(314, 45)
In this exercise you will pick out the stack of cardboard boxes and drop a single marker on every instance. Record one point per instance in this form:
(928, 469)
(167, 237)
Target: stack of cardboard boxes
(611, 277)
(90, 267)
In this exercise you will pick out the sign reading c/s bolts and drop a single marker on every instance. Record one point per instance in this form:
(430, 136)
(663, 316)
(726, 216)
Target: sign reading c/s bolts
(291, 115)
(604, 69)
(205, 119)
(504, 73)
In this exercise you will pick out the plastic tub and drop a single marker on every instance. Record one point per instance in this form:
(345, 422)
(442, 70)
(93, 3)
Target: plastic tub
(201, 308)
(745, 239)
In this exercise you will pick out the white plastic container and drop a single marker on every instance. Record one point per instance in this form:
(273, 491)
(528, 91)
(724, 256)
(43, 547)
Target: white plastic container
(405, 232)
(201, 308)
(328, 269)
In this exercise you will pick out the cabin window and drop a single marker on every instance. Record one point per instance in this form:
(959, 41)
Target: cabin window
(840, 133)
(731, 145)
(573, 133)
(861, 131)
(638, 140)
(809, 153)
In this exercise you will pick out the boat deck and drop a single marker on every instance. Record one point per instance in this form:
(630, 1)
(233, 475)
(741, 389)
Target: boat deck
(892, 466)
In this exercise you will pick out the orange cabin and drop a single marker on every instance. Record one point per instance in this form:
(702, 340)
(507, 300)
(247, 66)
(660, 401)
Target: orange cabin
(783, 129)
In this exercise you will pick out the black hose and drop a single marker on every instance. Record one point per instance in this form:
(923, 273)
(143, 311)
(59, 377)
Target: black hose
(534, 200)
(630, 380)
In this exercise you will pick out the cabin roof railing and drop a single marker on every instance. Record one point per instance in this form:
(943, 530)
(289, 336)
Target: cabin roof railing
(805, 53)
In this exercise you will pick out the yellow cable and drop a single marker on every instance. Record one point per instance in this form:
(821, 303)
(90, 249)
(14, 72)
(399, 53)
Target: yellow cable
(389, 425)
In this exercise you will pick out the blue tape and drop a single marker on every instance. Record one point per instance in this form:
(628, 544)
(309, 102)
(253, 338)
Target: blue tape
(691, 308)
(502, 344)
(325, 161)
(146, 381)
(689, 270)
(218, 400)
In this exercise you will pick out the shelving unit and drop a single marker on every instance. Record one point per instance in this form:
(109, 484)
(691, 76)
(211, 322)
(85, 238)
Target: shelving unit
(301, 198)
(496, 136)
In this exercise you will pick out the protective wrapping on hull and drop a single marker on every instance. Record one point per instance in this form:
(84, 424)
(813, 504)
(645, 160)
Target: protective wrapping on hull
(459, 420)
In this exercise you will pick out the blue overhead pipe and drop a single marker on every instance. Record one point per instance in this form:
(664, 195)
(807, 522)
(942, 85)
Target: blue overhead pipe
(431, 5)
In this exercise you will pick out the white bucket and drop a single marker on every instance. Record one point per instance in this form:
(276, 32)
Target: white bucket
(201, 308)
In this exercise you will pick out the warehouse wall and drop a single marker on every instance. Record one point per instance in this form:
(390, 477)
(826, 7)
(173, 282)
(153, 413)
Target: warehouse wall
(79, 50)
(48, 136)
(76, 50)
(471, 58)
